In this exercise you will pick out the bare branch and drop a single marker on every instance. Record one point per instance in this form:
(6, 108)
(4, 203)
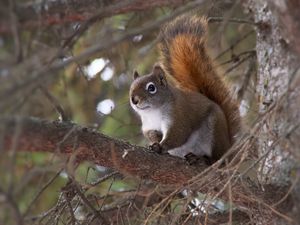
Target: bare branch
(36, 14)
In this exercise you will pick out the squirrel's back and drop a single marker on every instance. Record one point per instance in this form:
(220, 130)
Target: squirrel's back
(184, 57)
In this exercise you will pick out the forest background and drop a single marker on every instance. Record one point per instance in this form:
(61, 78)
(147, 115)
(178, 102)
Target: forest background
(66, 123)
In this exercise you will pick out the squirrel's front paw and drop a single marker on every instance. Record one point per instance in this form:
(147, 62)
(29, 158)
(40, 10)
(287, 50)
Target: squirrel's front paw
(156, 147)
(191, 158)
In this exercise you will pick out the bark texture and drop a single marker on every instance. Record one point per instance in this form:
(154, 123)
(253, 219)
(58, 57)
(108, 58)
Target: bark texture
(30, 134)
(278, 83)
(288, 15)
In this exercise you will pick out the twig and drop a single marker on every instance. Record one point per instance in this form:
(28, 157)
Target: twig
(15, 31)
(73, 219)
(41, 191)
(230, 201)
(288, 192)
(234, 44)
(96, 17)
(13, 205)
(87, 202)
(105, 197)
(236, 58)
(239, 62)
(241, 91)
(59, 109)
(104, 178)
(230, 20)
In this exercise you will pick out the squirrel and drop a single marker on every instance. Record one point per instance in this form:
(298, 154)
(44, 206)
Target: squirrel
(184, 105)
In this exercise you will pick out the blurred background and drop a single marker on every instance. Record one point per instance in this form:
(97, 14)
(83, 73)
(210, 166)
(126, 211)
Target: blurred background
(80, 56)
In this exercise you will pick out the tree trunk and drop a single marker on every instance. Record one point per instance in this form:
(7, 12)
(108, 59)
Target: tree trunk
(278, 86)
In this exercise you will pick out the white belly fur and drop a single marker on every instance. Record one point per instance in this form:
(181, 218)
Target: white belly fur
(154, 120)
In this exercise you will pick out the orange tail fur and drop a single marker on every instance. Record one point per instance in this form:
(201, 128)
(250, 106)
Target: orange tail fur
(184, 57)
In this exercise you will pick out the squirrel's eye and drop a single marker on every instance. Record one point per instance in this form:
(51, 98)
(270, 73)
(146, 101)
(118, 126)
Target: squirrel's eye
(150, 87)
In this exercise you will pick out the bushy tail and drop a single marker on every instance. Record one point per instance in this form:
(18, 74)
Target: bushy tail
(184, 57)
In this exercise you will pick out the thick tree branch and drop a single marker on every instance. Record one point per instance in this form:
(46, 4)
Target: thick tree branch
(60, 137)
(31, 134)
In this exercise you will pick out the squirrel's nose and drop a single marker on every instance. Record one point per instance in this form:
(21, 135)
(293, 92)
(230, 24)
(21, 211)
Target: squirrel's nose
(135, 100)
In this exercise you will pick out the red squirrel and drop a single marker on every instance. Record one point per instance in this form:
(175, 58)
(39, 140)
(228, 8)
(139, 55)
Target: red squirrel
(184, 105)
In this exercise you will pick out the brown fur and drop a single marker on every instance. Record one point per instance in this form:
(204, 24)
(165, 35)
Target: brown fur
(188, 112)
(184, 57)
(191, 110)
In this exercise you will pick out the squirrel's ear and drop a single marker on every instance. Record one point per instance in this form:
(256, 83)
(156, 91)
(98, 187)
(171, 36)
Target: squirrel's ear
(135, 75)
(160, 73)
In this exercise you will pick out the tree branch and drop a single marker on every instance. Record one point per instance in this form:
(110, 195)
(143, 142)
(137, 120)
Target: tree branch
(84, 143)
(31, 134)
(36, 14)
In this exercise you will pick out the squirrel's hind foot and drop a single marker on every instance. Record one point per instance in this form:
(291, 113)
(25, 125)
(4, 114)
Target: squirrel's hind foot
(156, 147)
(193, 159)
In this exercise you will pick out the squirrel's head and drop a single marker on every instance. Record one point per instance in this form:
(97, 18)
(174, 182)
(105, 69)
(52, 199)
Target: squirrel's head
(150, 91)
